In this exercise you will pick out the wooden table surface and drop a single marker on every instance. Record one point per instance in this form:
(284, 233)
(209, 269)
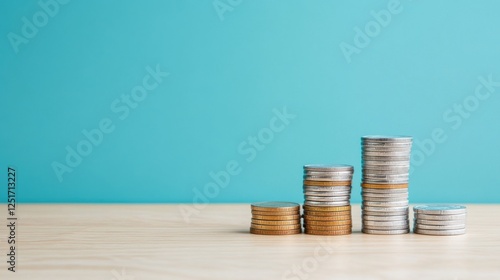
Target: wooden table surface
(139, 242)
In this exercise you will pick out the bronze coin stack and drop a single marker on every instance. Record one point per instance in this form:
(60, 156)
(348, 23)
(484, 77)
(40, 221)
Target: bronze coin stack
(275, 218)
(327, 192)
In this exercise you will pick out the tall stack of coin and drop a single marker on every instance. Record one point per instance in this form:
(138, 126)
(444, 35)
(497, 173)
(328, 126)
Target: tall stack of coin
(327, 192)
(439, 219)
(275, 218)
(386, 165)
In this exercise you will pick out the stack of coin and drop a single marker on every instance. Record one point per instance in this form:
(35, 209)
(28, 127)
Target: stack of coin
(275, 218)
(327, 192)
(386, 165)
(439, 219)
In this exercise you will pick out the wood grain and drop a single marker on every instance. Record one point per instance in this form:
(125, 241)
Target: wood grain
(125, 242)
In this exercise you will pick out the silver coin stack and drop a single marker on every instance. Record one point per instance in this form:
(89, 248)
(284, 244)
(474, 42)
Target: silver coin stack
(327, 185)
(439, 219)
(386, 165)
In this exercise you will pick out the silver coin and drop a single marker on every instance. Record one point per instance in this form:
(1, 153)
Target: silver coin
(440, 223)
(387, 138)
(384, 209)
(388, 196)
(369, 163)
(327, 189)
(385, 232)
(385, 154)
(440, 209)
(373, 158)
(439, 232)
(328, 173)
(440, 217)
(326, 203)
(386, 177)
(384, 218)
(378, 148)
(326, 167)
(391, 213)
(328, 194)
(384, 172)
(384, 191)
(327, 198)
(386, 223)
(385, 200)
(401, 227)
(385, 204)
(385, 168)
(332, 179)
(385, 182)
(434, 227)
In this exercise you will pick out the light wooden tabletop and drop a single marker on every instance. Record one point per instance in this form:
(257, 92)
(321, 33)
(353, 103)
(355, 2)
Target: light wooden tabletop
(139, 242)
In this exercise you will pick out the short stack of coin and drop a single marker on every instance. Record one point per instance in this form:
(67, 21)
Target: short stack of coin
(439, 219)
(327, 193)
(275, 218)
(386, 165)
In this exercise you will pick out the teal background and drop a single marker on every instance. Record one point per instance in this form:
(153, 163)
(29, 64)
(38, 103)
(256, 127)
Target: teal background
(226, 77)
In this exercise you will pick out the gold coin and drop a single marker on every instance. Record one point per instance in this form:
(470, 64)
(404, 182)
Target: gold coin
(276, 223)
(269, 227)
(275, 213)
(326, 183)
(274, 232)
(327, 213)
(311, 217)
(327, 208)
(328, 223)
(327, 232)
(272, 206)
(328, 228)
(382, 186)
(276, 218)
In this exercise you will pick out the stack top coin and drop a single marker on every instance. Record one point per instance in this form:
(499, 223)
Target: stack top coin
(440, 209)
(275, 206)
(384, 138)
(326, 167)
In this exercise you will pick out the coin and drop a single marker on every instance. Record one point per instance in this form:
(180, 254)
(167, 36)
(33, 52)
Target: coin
(332, 167)
(328, 174)
(370, 191)
(385, 204)
(386, 223)
(385, 232)
(327, 189)
(326, 183)
(386, 138)
(435, 227)
(384, 218)
(275, 213)
(326, 203)
(323, 227)
(389, 213)
(386, 153)
(275, 206)
(328, 223)
(384, 186)
(328, 198)
(276, 223)
(440, 217)
(328, 179)
(275, 232)
(325, 208)
(328, 194)
(385, 199)
(273, 227)
(276, 218)
(327, 218)
(440, 209)
(400, 164)
(327, 213)
(327, 232)
(384, 209)
(440, 222)
(440, 232)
